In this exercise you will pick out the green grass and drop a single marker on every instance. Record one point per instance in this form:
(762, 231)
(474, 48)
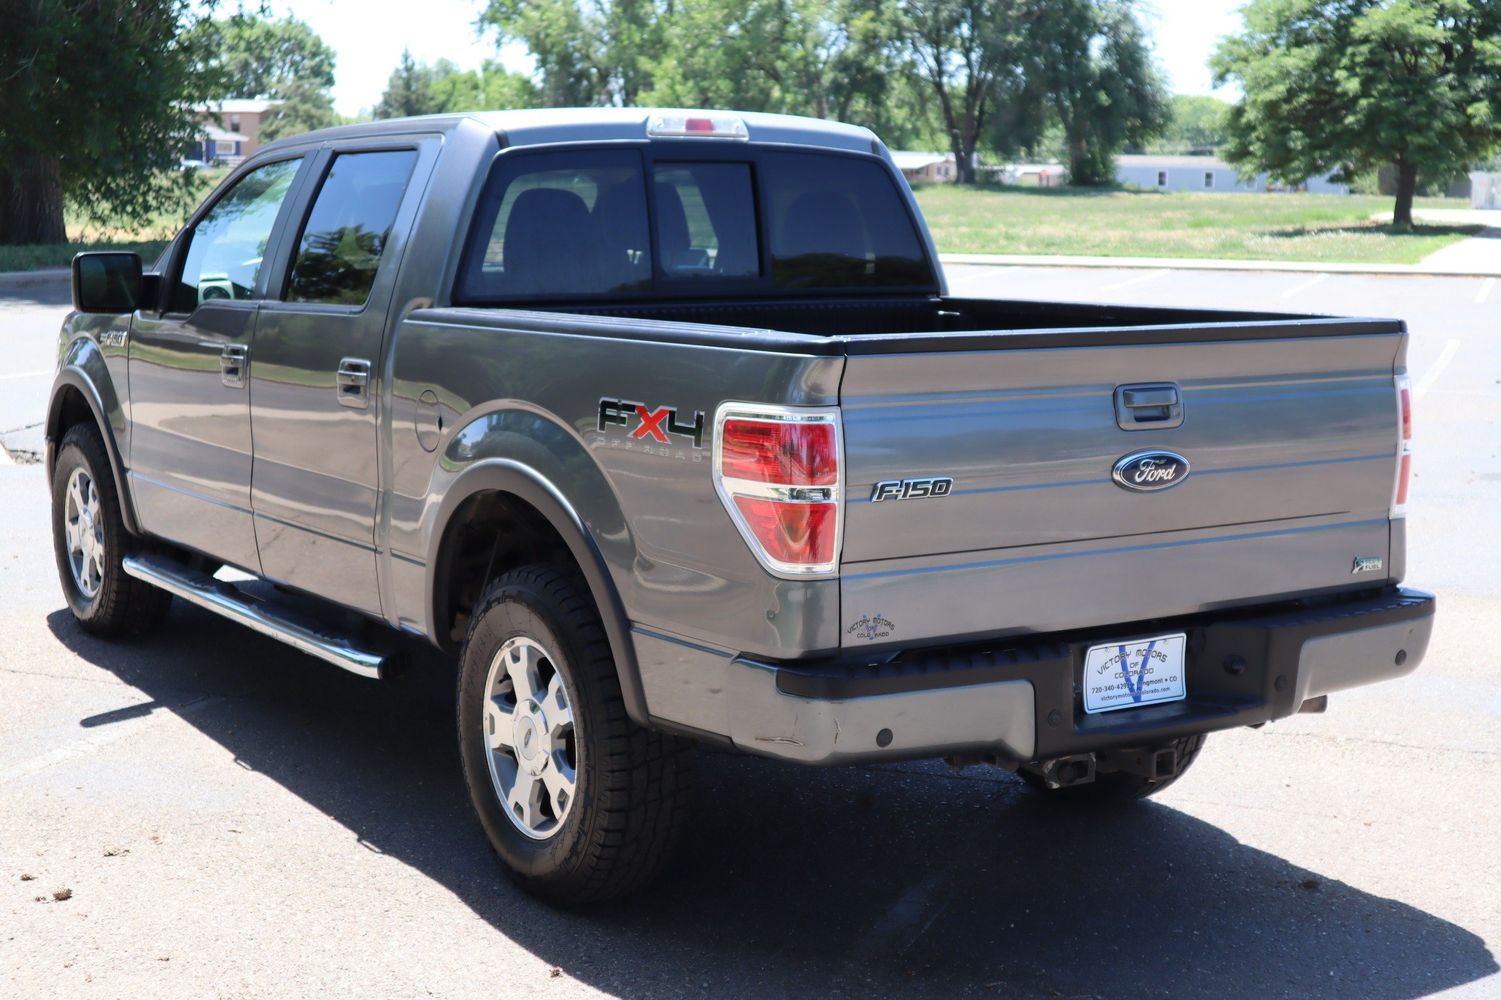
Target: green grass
(1115, 223)
(34, 257)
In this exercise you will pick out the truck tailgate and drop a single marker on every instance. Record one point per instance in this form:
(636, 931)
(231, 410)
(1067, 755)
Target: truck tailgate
(1290, 430)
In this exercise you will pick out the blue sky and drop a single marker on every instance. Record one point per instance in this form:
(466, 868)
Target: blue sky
(370, 34)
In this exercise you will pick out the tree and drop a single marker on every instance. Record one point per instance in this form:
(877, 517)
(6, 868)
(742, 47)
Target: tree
(588, 52)
(490, 88)
(967, 50)
(282, 60)
(1196, 124)
(409, 91)
(1094, 62)
(95, 107)
(1347, 85)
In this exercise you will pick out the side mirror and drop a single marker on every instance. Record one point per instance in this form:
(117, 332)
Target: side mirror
(106, 282)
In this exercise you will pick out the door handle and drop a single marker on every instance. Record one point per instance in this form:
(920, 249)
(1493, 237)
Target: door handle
(233, 360)
(1150, 406)
(352, 382)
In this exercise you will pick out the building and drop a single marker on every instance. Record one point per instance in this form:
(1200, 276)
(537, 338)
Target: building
(1204, 173)
(1485, 189)
(922, 167)
(231, 130)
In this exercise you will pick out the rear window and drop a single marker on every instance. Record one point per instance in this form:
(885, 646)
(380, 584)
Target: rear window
(612, 223)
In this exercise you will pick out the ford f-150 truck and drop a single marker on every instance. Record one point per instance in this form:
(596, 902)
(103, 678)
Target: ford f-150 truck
(664, 426)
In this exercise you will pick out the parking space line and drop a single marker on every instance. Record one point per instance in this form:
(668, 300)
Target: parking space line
(1304, 286)
(86, 746)
(1139, 279)
(1485, 291)
(14, 375)
(1435, 370)
(906, 921)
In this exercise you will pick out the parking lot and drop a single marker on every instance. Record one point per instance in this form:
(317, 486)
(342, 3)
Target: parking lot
(232, 819)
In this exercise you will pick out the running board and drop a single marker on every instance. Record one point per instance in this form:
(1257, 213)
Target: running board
(227, 600)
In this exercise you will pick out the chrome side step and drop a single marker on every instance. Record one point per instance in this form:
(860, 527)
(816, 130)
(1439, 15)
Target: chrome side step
(264, 617)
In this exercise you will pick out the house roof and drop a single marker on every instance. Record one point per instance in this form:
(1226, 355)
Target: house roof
(907, 159)
(238, 106)
(1149, 160)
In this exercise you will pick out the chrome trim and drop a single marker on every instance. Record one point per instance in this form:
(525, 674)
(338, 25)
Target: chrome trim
(220, 598)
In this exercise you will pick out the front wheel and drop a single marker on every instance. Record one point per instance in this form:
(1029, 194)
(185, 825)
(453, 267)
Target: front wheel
(89, 540)
(578, 802)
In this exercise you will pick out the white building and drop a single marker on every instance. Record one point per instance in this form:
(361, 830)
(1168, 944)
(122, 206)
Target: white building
(1203, 173)
(1485, 189)
(924, 166)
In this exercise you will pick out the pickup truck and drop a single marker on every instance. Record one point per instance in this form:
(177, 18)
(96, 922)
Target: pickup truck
(664, 428)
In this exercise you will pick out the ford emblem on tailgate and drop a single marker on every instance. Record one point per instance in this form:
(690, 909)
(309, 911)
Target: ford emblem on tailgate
(1149, 471)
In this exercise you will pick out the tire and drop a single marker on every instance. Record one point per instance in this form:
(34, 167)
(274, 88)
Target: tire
(1118, 788)
(89, 540)
(578, 802)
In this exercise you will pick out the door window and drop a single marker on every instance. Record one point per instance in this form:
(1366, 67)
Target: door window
(348, 229)
(228, 246)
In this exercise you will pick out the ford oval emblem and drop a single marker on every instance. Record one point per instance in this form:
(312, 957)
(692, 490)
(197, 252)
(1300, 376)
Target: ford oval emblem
(1150, 471)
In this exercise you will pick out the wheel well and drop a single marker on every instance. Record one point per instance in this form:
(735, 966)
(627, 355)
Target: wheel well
(72, 409)
(491, 533)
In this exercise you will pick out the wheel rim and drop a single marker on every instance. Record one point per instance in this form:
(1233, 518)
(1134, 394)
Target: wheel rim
(83, 527)
(529, 738)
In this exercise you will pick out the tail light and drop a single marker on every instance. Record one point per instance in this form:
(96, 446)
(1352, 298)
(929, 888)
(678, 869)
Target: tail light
(778, 471)
(1404, 446)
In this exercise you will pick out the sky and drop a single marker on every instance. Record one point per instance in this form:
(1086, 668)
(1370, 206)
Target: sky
(369, 36)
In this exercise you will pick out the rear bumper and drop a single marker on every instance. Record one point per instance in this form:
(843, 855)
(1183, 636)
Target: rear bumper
(1020, 700)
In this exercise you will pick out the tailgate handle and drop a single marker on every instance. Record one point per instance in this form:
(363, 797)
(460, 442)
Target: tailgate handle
(1148, 406)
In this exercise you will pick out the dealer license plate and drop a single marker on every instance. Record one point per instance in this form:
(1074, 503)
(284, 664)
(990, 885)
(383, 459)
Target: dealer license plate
(1131, 674)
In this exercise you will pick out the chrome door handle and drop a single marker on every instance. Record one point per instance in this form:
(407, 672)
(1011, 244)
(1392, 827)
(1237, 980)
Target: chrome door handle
(353, 383)
(233, 360)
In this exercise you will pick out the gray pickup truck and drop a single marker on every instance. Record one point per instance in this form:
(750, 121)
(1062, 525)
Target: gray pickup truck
(664, 427)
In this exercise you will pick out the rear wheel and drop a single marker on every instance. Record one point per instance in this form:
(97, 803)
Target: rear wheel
(89, 540)
(1114, 788)
(578, 802)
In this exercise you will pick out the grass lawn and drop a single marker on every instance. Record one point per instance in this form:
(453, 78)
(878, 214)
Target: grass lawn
(1309, 227)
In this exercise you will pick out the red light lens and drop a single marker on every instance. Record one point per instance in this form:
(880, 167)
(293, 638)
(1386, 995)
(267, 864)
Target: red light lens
(792, 532)
(1406, 414)
(789, 454)
(699, 125)
(1404, 473)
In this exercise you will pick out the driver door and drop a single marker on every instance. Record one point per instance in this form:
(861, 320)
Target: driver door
(189, 370)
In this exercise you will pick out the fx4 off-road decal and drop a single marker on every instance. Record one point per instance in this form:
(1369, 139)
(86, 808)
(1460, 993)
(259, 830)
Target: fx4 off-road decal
(650, 423)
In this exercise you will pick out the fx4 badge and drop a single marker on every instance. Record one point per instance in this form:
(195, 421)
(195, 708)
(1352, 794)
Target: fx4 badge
(653, 423)
(911, 489)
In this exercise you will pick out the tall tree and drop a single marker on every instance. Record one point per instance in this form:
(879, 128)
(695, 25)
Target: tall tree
(588, 52)
(965, 51)
(1093, 60)
(1195, 123)
(1348, 85)
(409, 91)
(490, 88)
(95, 99)
(282, 60)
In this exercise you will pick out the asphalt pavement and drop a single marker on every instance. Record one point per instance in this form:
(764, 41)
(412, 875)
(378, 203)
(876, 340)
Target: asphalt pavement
(227, 818)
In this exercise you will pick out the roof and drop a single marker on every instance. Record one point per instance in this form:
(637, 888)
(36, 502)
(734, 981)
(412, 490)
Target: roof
(548, 125)
(238, 106)
(907, 159)
(1150, 160)
(218, 134)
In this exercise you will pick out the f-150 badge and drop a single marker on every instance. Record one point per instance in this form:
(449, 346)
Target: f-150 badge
(652, 423)
(911, 489)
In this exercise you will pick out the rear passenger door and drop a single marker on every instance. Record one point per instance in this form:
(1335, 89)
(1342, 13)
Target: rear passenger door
(315, 390)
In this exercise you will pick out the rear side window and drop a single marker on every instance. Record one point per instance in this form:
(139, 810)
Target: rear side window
(228, 246)
(706, 221)
(347, 230)
(560, 224)
(838, 224)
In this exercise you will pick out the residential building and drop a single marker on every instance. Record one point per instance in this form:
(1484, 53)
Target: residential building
(1204, 173)
(925, 167)
(231, 130)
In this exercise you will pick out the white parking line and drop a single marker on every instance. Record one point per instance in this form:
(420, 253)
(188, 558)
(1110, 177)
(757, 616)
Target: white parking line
(90, 744)
(1304, 286)
(1139, 279)
(6, 378)
(1431, 375)
(1485, 291)
(5, 458)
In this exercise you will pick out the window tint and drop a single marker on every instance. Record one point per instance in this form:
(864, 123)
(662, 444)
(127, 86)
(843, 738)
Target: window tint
(838, 223)
(347, 230)
(706, 220)
(560, 224)
(227, 247)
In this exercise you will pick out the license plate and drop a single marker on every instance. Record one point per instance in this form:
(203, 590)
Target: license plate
(1131, 674)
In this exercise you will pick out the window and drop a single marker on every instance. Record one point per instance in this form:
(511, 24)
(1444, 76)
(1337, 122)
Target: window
(838, 224)
(1162, 178)
(341, 244)
(234, 123)
(224, 147)
(1208, 179)
(706, 221)
(560, 224)
(227, 247)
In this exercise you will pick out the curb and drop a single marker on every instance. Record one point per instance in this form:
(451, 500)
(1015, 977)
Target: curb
(31, 279)
(1190, 264)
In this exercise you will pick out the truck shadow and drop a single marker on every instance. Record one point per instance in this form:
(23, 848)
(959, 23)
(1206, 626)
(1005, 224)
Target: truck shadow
(905, 879)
